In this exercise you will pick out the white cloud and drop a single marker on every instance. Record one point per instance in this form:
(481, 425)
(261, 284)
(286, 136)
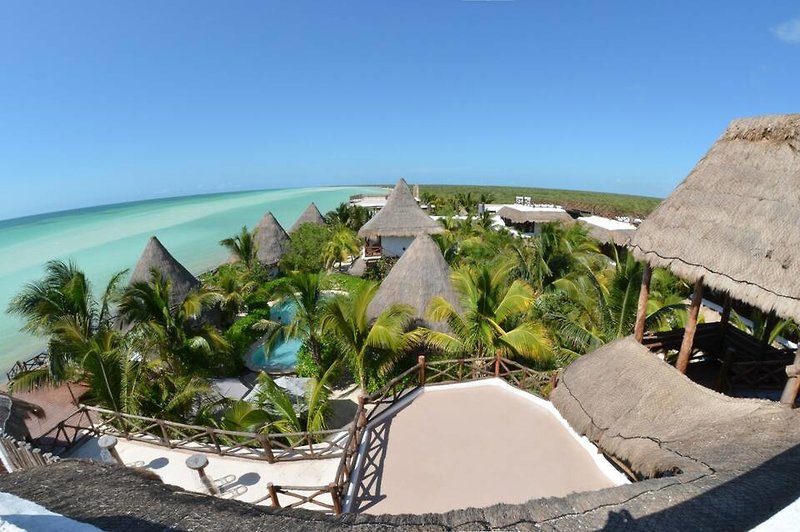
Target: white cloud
(788, 31)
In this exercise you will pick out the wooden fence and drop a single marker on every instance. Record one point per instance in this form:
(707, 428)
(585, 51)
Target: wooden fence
(19, 455)
(35, 362)
(337, 443)
(426, 373)
(746, 361)
(280, 447)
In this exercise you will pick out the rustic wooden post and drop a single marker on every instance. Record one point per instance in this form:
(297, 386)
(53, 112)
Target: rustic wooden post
(641, 309)
(270, 456)
(421, 362)
(691, 326)
(213, 437)
(198, 462)
(497, 365)
(789, 395)
(273, 495)
(362, 411)
(109, 443)
(164, 435)
(337, 501)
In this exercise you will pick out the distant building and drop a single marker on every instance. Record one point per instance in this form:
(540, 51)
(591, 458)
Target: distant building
(528, 218)
(390, 232)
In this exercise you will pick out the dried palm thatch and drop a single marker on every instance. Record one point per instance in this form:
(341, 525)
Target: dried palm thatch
(420, 274)
(533, 215)
(401, 216)
(310, 216)
(734, 220)
(156, 257)
(639, 409)
(271, 240)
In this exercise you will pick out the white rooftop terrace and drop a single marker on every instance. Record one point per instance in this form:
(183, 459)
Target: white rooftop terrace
(607, 223)
(472, 444)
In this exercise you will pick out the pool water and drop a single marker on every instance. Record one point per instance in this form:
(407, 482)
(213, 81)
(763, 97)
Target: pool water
(282, 357)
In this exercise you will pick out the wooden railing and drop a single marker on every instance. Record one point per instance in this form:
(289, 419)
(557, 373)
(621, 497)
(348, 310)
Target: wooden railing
(20, 366)
(431, 373)
(372, 251)
(22, 455)
(338, 443)
(278, 447)
(747, 362)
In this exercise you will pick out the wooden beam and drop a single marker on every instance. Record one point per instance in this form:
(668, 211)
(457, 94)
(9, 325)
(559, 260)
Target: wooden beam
(691, 326)
(789, 396)
(641, 309)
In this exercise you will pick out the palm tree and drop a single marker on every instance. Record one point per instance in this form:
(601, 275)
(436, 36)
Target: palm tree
(603, 306)
(304, 294)
(466, 201)
(170, 328)
(492, 322)
(350, 216)
(242, 246)
(62, 307)
(289, 417)
(234, 289)
(343, 245)
(486, 197)
(370, 346)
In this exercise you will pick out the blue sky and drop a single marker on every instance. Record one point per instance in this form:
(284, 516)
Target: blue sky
(104, 102)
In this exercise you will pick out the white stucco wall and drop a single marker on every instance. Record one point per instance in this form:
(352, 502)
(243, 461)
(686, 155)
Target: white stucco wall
(394, 246)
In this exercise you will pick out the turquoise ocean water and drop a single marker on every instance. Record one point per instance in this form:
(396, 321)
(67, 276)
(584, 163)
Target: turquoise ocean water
(104, 240)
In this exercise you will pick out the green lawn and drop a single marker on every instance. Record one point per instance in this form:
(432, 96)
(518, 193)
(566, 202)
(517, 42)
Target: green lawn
(601, 203)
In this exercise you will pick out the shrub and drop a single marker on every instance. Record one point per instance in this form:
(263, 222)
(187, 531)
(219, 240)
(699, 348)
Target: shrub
(306, 249)
(241, 335)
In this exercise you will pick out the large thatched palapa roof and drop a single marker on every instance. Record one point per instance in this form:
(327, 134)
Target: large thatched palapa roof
(310, 216)
(155, 256)
(734, 219)
(519, 214)
(420, 274)
(271, 240)
(401, 216)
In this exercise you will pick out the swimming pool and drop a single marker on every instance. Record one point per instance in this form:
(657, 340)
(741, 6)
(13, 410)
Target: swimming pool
(283, 355)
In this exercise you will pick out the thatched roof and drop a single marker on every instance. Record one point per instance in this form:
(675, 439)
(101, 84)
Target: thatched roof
(401, 216)
(271, 240)
(420, 274)
(310, 216)
(734, 219)
(619, 233)
(523, 214)
(155, 256)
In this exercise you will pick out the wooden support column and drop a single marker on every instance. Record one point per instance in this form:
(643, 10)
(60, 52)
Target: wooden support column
(641, 310)
(691, 326)
(789, 395)
(421, 363)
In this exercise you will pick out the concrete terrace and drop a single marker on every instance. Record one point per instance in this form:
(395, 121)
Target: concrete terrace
(238, 478)
(472, 444)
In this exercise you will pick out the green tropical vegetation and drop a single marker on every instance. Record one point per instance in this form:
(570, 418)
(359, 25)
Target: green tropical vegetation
(542, 301)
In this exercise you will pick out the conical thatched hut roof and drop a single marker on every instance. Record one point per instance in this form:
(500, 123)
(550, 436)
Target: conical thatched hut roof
(420, 274)
(155, 256)
(519, 214)
(271, 240)
(310, 216)
(734, 219)
(401, 216)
